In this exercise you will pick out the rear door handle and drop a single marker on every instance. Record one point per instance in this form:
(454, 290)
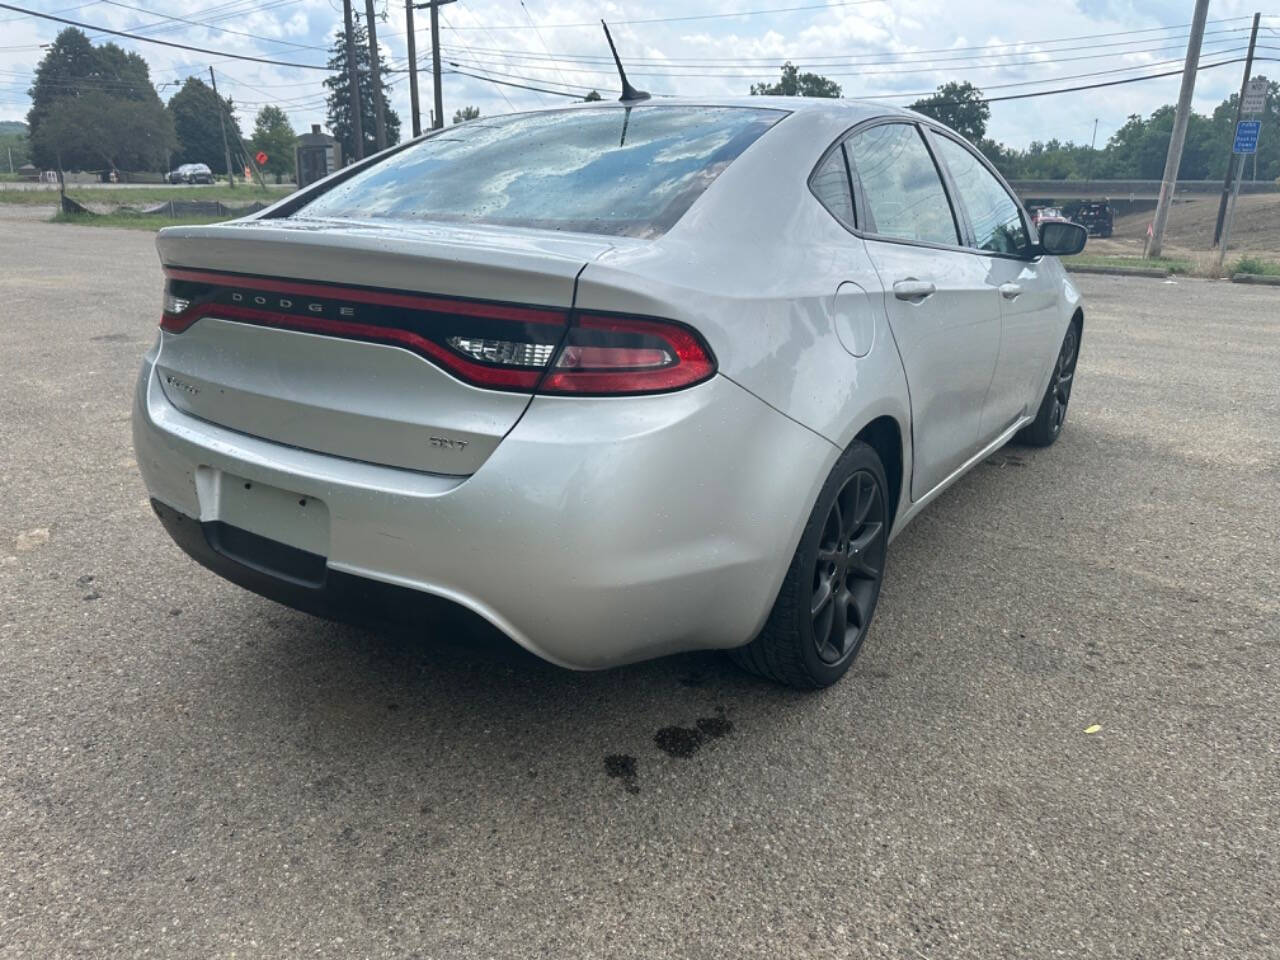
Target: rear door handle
(1010, 291)
(913, 290)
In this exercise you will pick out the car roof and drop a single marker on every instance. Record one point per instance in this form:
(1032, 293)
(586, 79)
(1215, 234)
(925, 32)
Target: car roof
(850, 110)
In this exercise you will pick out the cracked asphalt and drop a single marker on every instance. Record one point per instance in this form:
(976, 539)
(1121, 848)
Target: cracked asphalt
(187, 770)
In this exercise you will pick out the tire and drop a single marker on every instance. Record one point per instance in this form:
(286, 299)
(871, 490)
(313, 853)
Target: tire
(842, 554)
(1047, 426)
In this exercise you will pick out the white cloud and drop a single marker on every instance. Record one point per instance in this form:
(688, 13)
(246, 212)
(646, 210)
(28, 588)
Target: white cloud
(659, 53)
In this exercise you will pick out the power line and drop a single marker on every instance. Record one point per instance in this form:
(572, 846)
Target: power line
(703, 16)
(859, 60)
(996, 86)
(209, 26)
(78, 6)
(538, 34)
(164, 43)
(737, 72)
(444, 20)
(522, 86)
(893, 96)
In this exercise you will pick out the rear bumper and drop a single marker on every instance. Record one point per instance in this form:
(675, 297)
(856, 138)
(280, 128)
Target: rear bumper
(599, 532)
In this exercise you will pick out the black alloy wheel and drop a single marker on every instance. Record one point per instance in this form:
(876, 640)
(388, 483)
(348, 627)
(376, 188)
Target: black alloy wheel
(1064, 373)
(823, 611)
(1047, 425)
(848, 568)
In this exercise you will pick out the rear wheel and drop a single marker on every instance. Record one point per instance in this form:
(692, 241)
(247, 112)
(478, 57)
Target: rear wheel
(1047, 425)
(823, 612)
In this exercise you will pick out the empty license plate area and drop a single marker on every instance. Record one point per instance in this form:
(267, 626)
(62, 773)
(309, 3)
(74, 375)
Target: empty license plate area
(231, 505)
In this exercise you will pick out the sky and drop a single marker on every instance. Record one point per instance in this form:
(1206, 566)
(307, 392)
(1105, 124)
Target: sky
(892, 49)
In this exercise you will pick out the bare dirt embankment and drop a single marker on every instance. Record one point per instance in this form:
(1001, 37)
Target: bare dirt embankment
(1190, 231)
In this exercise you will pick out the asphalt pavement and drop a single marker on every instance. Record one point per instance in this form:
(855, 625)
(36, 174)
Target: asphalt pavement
(187, 770)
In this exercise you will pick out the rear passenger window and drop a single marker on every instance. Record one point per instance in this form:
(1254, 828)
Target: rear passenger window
(830, 184)
(997, 222)
(900, 185)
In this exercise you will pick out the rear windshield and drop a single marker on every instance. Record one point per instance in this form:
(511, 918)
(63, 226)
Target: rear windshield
(632, 171)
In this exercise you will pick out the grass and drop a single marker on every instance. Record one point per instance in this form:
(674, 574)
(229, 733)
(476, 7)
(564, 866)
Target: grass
(144, 196)
(132, 221)
(1172, 264)
(1254, 265)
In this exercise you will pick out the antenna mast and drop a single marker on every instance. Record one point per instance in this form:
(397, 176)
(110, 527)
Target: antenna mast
(628, 91)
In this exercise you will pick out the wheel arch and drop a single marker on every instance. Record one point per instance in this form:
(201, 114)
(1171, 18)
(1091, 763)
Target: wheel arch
(884, 435)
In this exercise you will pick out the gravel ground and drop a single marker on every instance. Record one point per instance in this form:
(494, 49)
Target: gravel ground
(187, 770)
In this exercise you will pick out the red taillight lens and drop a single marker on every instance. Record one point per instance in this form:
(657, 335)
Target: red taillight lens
(495, 345)
(624, 355)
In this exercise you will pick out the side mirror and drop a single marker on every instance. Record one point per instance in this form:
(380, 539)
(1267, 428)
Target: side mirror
(1061, 239)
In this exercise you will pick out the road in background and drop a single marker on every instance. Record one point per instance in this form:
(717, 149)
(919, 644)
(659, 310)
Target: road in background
(192, 771)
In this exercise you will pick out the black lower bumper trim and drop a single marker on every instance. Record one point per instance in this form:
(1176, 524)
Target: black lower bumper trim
(297, 578)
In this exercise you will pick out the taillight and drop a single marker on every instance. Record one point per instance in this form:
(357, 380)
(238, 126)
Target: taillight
(494, 345)
(624, 355)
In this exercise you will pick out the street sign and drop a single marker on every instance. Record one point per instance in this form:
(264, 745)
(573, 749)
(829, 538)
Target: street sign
(1255, 96)
(1246, 137)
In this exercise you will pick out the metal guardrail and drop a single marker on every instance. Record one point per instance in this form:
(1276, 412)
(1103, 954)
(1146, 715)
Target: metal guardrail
(1128, 189)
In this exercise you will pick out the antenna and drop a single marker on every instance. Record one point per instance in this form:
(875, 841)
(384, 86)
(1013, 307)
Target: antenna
(628, 91)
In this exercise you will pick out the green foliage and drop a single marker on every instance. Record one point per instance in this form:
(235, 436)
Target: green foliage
(960, 106)
(338, 102)
(274, 136)
(98, 131)
(1265, 268)
(15, 147)
(466, 113)
(1137, 150)
(137, 221)
(796, 84)
(592, 97)
(195, 110)
(72, 69)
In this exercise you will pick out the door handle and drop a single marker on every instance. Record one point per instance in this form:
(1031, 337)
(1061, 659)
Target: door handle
(1010, 291)
(913, 290)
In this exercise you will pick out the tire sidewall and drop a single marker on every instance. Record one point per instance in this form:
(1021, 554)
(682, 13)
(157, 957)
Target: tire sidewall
(859, 456)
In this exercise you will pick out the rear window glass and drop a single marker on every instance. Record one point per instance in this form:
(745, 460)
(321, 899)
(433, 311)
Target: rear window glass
(632, 171)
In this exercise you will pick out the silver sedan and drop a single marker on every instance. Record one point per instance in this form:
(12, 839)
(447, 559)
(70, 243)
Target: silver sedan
(623, 380)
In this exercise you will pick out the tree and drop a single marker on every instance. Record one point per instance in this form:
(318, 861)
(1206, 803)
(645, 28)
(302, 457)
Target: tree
(273, 136)
(592, 97)
(15, 147)
(195, 111)
(338, 102)
(99, 131)
(960, 106)
(796, 84)
(466, 113)
(73, 67)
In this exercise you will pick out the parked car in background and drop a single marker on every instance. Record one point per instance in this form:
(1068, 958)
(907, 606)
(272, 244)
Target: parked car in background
(1041, 215)
(191, 173)
(670, 376)
(1098, 218)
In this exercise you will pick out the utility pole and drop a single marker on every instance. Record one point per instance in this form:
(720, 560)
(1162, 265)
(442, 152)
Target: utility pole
(376, 78)
(1092, 144)
(437, 117)
(353, 80)
(1179, 136)
(414, 113)
(222, 122)
(1231, 159)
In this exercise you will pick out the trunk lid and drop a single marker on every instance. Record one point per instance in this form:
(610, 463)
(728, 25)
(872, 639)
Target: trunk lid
(397, 345)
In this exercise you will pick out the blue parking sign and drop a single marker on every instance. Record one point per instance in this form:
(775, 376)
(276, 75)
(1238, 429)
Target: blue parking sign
(1247, 136)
